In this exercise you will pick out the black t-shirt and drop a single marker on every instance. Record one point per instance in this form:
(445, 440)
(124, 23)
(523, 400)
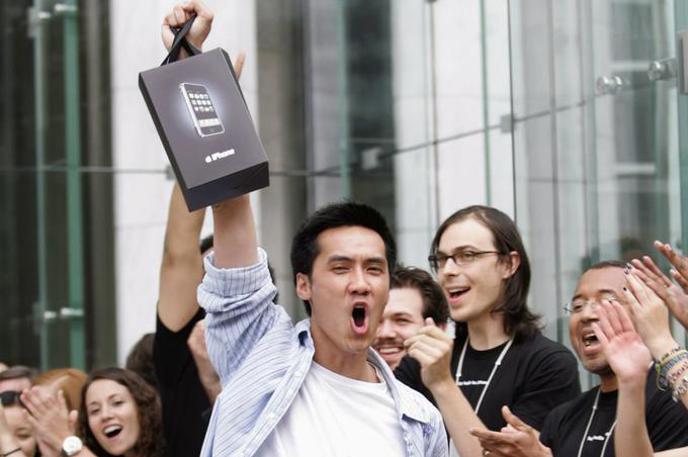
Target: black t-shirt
(535, 376)
(667, 423)
(185, 404)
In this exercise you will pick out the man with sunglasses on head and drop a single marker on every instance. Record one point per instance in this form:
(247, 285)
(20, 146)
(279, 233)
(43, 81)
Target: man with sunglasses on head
(16, 432)
(584, 426)
(17, 378)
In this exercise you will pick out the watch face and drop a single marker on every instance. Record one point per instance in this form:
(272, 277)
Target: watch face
(71, 445)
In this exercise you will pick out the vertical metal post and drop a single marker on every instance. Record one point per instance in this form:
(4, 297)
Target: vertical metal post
(435, 115)
(343, 104)
(486, 106)
(681, 18)
(69, 12)
(40, 106)
(681, 25)
(512, 113)
(554, 132)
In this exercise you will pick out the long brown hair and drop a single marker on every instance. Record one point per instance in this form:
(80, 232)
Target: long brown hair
(150, 442)
(519, 321)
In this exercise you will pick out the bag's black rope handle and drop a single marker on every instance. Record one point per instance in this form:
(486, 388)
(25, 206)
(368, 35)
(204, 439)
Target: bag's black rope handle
(181, 42)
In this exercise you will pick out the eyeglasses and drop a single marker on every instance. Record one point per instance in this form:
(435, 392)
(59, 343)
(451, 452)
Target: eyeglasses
(460, 258)
(578, 306)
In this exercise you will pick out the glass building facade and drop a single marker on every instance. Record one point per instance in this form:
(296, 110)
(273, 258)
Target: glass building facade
(566, 115)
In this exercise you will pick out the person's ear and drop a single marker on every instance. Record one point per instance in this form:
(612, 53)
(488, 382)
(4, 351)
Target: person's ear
(303, 286)
(511, 265)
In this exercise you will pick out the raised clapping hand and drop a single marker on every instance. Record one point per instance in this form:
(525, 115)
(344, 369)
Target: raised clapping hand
(50, 418)
(629, 359)
(679, 306)
(432, 348)
(623, 348)
(517, 439)
(206, 372)
(649, 314)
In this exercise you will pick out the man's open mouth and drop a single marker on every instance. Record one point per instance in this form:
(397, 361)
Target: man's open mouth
(390, 350)
(359, 319)
(456, 292)
(589, 339)
(359, 315)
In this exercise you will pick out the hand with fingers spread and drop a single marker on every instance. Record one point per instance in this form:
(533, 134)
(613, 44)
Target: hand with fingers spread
(649, 314)
(629, 359)
(623, 348)
(50, 418)
(672, 295)
(679, 262)
(517, 439)
(432, 348)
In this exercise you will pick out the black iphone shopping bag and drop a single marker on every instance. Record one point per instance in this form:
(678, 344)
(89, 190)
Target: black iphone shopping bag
(204, 124)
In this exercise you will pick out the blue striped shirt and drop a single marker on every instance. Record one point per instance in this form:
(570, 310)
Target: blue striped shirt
(262, 359)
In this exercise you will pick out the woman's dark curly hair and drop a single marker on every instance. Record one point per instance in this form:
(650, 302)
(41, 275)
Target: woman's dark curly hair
(519, 321)
(150, 442)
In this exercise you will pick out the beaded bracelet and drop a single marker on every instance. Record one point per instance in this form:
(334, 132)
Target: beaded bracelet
(663, 359)
(672, 378)
(668, 362)
(680, 389)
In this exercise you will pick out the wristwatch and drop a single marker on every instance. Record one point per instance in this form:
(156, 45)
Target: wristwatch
(72, 445)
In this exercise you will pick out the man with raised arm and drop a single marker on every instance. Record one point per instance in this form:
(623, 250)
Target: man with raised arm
(187, 382)
(183, 383)
(315, 388)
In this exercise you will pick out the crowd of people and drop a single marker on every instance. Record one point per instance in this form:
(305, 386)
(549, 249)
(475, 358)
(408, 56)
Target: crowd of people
(390, 360)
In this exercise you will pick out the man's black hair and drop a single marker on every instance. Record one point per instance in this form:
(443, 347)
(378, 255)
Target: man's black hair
(304, 246)
(606, 264)
(434, 301)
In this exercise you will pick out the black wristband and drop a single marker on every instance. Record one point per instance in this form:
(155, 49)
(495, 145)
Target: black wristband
(11, 452)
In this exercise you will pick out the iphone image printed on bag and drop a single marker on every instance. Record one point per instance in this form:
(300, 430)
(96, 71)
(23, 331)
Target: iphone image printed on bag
(201, 109)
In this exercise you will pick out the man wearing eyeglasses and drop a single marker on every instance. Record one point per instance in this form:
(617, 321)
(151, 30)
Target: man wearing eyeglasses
(497, 356)
(584, 427)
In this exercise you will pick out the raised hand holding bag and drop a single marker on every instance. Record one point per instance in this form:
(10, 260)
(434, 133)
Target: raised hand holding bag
(204, 124)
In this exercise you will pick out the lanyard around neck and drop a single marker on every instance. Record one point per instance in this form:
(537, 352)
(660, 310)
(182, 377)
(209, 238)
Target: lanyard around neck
(587, 428)
(496, 365)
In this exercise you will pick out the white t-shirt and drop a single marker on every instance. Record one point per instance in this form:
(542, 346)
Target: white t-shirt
(336, 416)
